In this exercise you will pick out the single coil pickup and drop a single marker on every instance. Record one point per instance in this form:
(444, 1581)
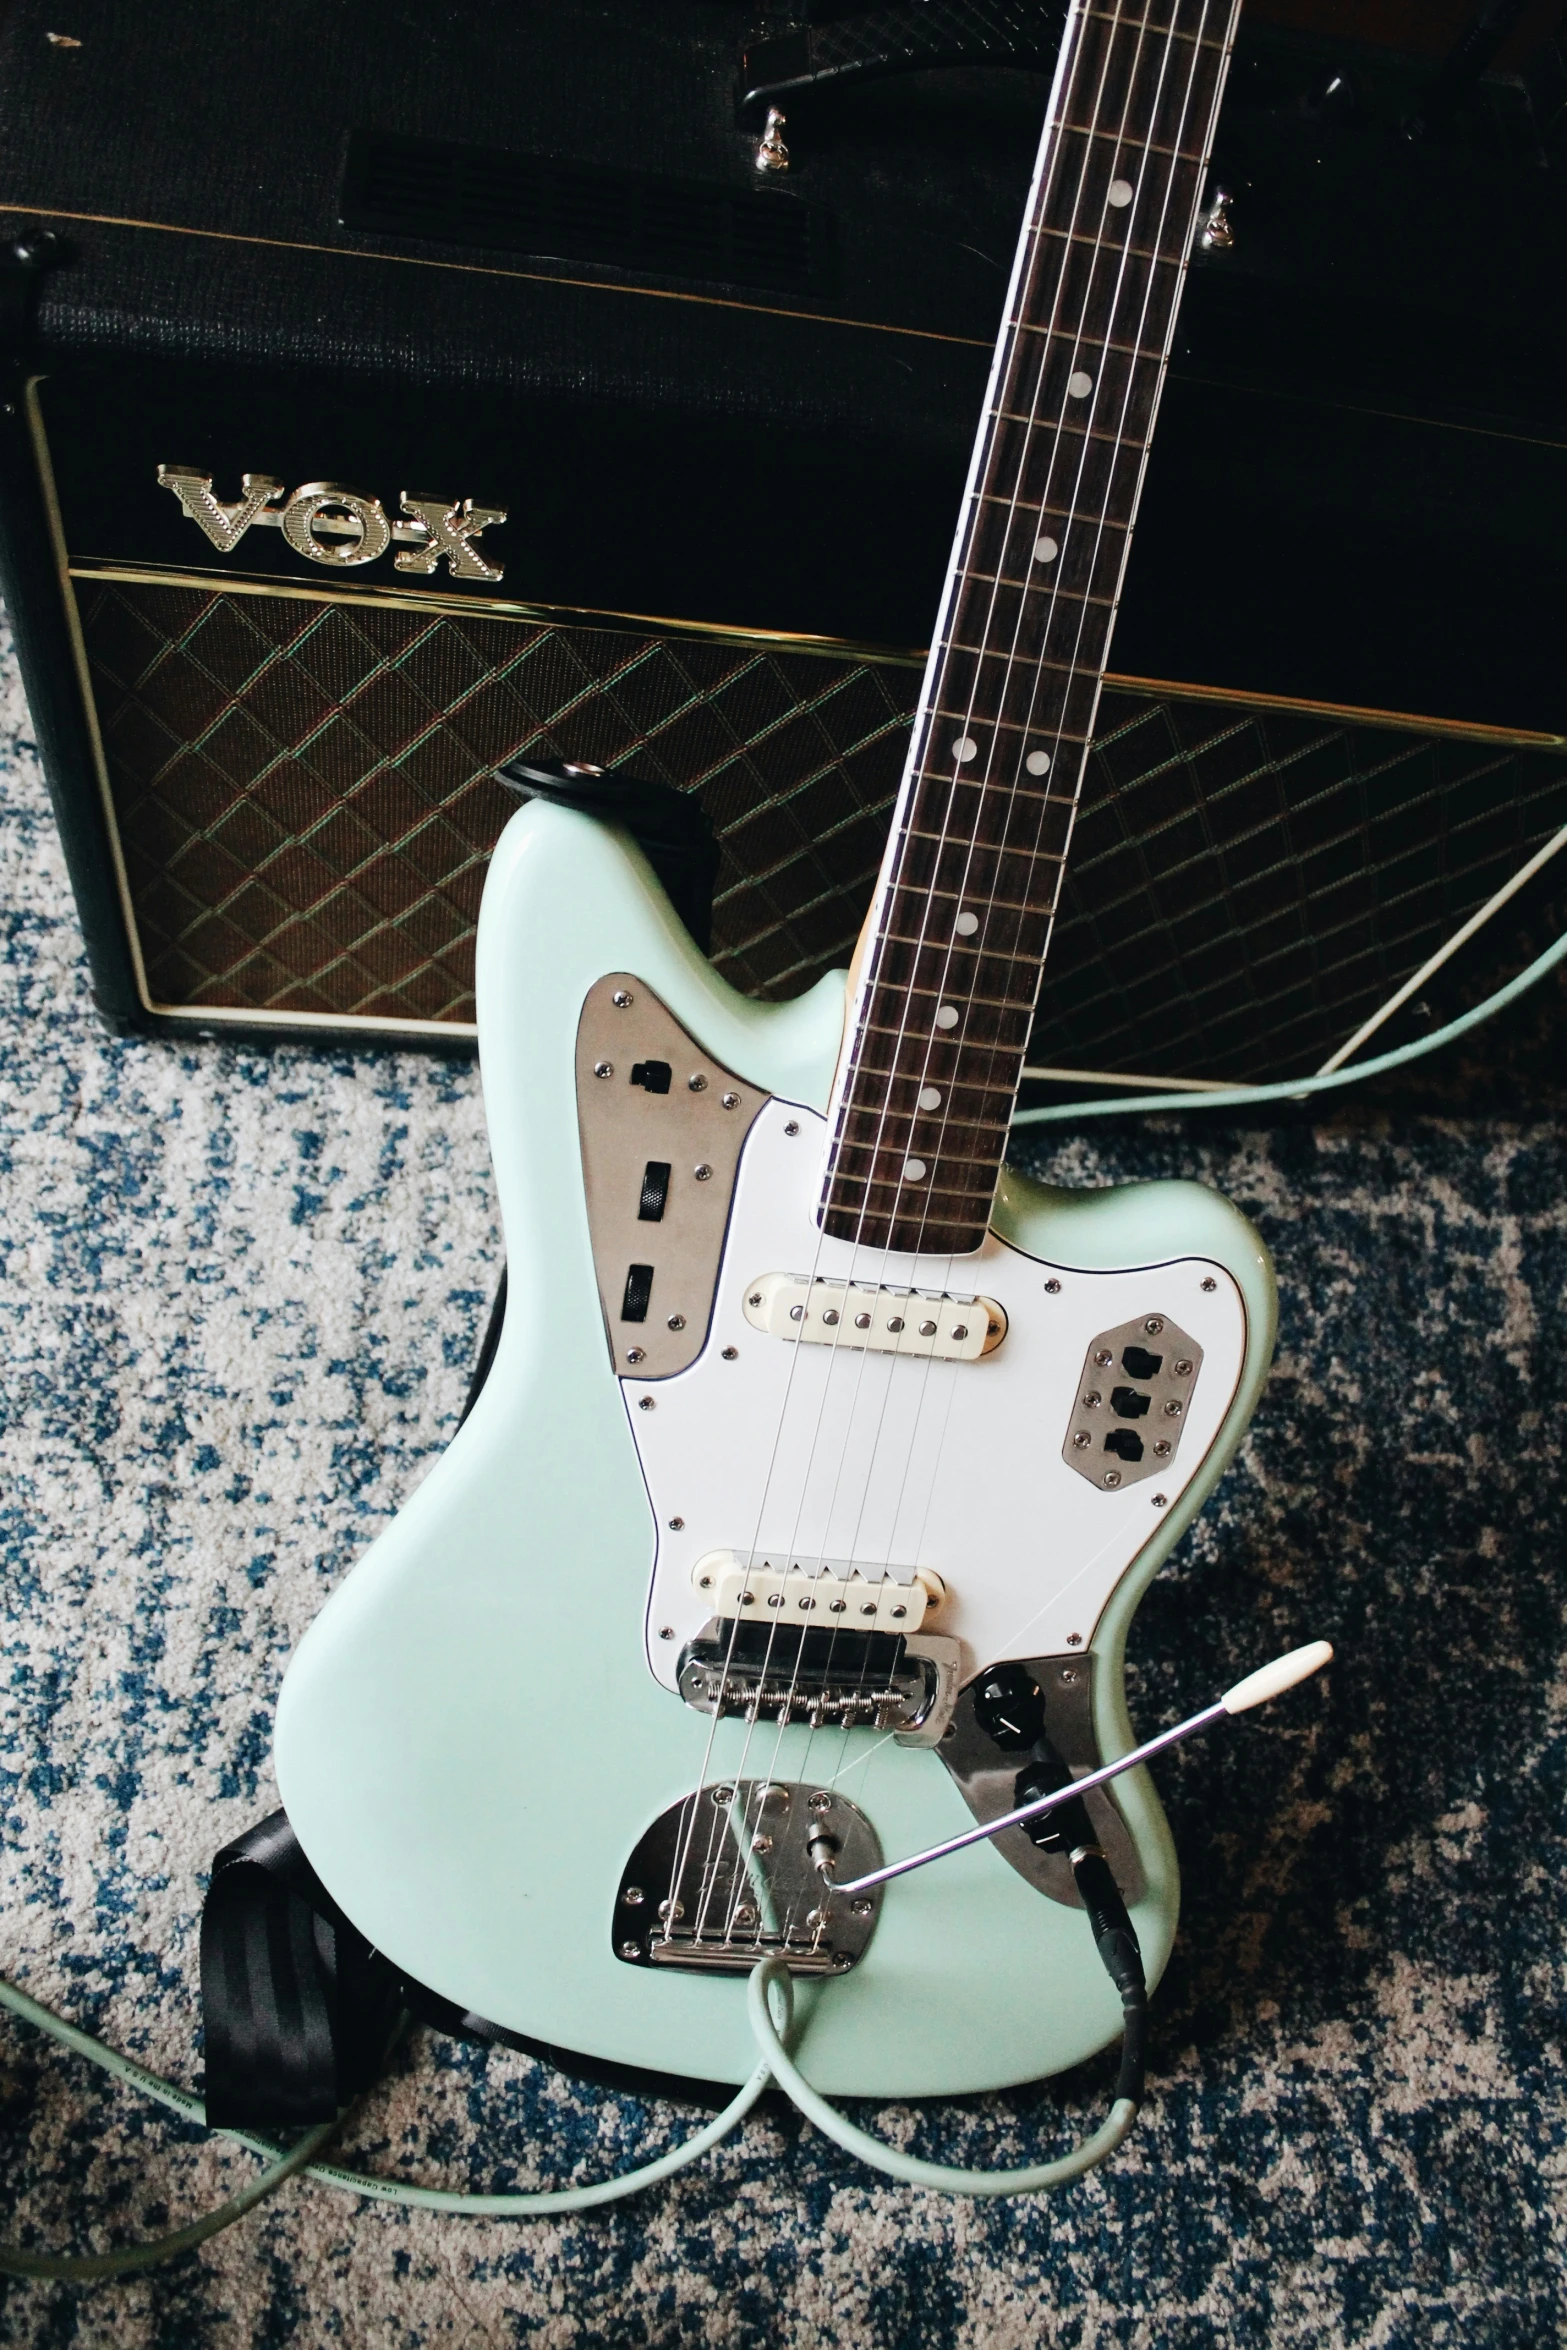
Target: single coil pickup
(760, 1588)
(854, 1314)
(822, 1676)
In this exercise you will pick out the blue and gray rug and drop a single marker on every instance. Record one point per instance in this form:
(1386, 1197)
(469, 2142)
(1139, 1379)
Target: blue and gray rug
(241, 1292)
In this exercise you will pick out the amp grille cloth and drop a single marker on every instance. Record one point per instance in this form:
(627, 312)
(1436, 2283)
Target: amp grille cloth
(305, 806)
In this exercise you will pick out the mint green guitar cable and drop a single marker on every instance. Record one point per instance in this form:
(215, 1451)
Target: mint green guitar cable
(908, 2169)
(1232, 1097)
(299, 2162)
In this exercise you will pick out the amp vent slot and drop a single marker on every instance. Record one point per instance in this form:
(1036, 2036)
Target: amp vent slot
(457, 195)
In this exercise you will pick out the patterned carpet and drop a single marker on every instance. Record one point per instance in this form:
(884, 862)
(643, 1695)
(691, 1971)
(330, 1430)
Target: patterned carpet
(241, 1292)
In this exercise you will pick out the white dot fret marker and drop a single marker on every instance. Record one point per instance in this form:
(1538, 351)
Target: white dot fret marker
(947, 1017)
(966, 925)
(914, 1170)
(1045, 550)
(1079, 385)
(930, 1099)
(964, 749)
(1038, 762)
(1120, 193)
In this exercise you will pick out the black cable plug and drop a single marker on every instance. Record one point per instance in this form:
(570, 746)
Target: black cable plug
(1068, 1829)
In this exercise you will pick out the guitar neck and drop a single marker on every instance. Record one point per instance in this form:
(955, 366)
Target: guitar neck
(961, 919)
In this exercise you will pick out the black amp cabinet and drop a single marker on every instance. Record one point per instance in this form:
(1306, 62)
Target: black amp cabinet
(394, 389)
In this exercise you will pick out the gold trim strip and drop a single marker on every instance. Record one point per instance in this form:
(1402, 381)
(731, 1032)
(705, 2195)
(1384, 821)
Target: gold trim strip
(539, 277)
(73, 622)
(492, 608)
(241, 1016)
(1350, 713)
(824, 647)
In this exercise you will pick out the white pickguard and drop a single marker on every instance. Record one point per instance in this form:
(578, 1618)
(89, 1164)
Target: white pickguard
(892, 1462)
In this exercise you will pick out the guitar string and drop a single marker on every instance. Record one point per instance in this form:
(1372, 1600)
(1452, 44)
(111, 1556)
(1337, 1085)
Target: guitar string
(1063, 104)
(1139, 347)
(1010, 349)
(1005, 364)
(1067, 89)
(828, 1367)
(1008, 1645)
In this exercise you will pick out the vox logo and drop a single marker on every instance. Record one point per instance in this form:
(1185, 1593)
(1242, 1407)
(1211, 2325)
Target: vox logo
(339, 527)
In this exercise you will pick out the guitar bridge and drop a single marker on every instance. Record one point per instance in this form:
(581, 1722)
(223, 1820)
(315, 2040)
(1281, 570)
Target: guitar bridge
(823, 1677)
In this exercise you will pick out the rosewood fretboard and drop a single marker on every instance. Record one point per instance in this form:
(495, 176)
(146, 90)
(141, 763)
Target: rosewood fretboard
(956, 942)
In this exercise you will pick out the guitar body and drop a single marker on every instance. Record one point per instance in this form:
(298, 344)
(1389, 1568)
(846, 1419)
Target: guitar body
(483, 1725)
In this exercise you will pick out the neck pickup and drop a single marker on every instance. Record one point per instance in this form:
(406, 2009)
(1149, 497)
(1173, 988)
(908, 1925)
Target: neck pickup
(961, 919)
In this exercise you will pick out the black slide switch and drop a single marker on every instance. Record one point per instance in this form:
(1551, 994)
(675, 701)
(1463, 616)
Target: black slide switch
(1125, 1443)
(1124, 1401)
(655, 1191)
(652, 1075)
(639, 1289)
(1138, 1363)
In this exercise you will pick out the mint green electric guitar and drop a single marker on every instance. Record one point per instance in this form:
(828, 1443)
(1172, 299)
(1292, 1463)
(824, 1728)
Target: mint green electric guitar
(823, 1460)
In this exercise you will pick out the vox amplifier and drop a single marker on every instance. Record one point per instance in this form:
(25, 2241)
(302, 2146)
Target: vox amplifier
(343, 458)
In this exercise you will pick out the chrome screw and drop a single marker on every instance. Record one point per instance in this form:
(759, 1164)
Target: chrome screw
(731, 1354)
(861, 1906)
(1112, 1478)
(631, 1950)
(1082, 1440)
(731, 1101)
(1183, 1369)
(697, 1084)
(1163, 1448)
(1161, 1501)
(760, 1843)
(755, 1298)
(666, 1631)
(1069, 1676)
(793, 1126)
(703, 1172)
(603, 1068)
(633, 1354)
(1092, 1400)
(633, 1896)
(704, 1582)
(1173, 1409)
(1104, 1358)
(1052, 1289)
(677, 1321)
(671, 1909)
(1074, 1639)
(1154, 1324)
(645, 1403)
(745, 1915)
(621, 999)
(1209, 1282)
(721, 1795)
(821, 1800)
(677, 1525)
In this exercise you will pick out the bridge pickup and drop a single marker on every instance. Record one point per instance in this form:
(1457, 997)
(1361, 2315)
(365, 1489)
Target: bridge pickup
(825, 1678)
(762, 1589)
(884, 1321)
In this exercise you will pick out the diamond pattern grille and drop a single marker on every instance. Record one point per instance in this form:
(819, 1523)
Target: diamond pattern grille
(306, 805)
